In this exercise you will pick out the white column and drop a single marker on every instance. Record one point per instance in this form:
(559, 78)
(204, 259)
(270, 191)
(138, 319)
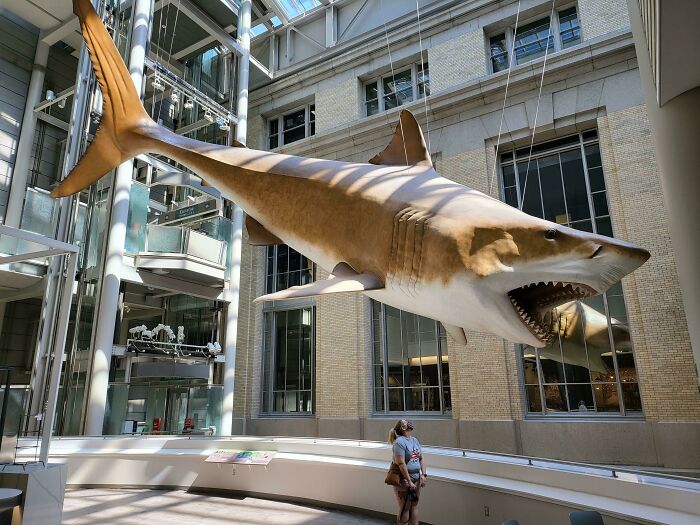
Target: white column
(233, 292)
(59, 349)
(111, 275)
(20, 172)
(676, 134)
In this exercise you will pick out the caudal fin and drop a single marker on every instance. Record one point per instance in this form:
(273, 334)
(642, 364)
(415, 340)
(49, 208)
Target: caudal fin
(123, 130)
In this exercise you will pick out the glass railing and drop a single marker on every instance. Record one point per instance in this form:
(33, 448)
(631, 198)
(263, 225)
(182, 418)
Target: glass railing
(179, 239)
(39, 215)
(221, 229)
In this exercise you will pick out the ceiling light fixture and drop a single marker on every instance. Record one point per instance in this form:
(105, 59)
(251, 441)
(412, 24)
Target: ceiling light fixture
(157, 84)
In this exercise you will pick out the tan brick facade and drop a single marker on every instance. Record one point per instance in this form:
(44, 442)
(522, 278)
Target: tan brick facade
(599, 17)
(337, 104)
(458, 60)
(485, 375)
(663, 354)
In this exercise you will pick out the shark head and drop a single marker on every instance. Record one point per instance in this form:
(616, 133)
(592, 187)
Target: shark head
(520, 267)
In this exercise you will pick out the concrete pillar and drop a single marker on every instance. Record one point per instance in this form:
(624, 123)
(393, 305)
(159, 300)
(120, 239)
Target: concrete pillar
(111, 272)
(20, 172)
(233, 292)
(676, 127)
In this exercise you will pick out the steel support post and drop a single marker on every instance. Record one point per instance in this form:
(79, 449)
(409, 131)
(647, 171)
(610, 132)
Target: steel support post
(20, 172)
(59, 349)
(111, 273)
(234, 285)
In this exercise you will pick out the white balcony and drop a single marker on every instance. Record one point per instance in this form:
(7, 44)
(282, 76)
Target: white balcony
(185, 254)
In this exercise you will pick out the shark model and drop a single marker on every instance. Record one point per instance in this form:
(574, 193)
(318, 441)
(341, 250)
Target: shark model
(391, 228)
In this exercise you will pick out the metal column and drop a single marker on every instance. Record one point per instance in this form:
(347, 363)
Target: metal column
(20, 172)
(60, 339)
(111, 274)
(233, 292)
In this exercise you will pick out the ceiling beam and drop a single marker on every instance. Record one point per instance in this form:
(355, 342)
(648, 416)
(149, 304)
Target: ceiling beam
(61, 31)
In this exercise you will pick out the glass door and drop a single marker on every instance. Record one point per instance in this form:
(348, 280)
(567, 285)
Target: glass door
(176, 410)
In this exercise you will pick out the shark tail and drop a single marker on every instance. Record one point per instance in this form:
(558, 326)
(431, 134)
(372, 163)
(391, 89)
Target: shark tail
(125, 129)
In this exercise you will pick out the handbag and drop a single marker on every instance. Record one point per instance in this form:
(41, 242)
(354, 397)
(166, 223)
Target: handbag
(394, 476)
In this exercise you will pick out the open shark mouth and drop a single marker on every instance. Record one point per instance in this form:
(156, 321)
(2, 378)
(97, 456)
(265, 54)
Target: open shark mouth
(535, 301)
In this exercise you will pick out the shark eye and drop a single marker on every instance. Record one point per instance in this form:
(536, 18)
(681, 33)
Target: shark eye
(550, 234)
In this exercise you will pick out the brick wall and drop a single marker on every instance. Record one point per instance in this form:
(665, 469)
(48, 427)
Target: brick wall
(458, 60)
(663, 353)
(599, 17)
(337, 104)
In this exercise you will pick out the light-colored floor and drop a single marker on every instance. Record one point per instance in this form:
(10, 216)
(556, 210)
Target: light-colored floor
(177, 507)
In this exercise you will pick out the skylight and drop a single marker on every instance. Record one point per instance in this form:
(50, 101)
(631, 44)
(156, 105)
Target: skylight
(293, 8)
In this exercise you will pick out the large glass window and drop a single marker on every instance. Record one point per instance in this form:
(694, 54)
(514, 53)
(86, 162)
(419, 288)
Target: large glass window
(396, 89)
(532, 39)
(410, 362)
(288, 339)
(589, 366)
(291, 126)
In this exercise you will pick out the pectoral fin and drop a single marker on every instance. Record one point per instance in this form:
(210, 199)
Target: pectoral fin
(343, 279)
(456, 332)
(258, 235)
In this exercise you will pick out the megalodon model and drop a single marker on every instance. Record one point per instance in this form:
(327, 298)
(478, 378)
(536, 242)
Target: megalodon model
(391, 228)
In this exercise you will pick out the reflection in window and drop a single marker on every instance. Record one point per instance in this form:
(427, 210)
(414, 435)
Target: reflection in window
(410, 363)
(589, 365)
(288, 361)
(532, 40)
(288, 348)
(286, 267)
(291, 126)
(397, 88)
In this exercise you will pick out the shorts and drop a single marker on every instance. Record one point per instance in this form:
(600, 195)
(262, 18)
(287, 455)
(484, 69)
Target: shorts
(403, 490)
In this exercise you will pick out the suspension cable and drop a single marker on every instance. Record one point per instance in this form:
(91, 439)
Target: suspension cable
(422, 67)
(170, 50)
(539, 97)
(393, 79)
(511, 58)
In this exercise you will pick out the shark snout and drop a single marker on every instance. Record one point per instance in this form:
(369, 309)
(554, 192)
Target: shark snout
(612, 259)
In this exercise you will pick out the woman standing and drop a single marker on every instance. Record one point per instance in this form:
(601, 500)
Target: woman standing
(409, 458)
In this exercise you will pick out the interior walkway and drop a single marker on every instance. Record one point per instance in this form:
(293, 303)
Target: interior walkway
(175, 507)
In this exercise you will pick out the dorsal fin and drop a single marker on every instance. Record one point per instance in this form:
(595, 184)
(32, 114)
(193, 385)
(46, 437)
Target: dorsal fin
(407, 146)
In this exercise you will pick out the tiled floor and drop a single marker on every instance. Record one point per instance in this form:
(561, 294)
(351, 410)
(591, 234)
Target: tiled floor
(176, 507)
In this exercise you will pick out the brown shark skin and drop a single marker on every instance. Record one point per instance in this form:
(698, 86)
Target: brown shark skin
(398, 220)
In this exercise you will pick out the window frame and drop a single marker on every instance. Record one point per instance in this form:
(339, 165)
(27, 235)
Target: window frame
(623, 412)
(309, 130)
(382, 337)
(271, 308)
(508, 31)
(379, 81)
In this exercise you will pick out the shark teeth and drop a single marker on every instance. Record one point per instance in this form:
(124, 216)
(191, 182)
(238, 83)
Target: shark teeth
(533, 301)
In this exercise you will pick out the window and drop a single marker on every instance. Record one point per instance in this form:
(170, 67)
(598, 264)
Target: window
(589, 366)
(288, 339)
(397, 89)
(410, 362)
(532, 39)
(292, 126)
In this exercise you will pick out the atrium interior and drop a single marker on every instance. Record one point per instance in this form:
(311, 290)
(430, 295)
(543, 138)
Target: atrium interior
(205, 317)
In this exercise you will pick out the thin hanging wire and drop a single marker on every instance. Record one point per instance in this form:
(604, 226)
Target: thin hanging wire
(537, 111)
(422, 68)
(393, 79)
(162, 31)
(170, 50)
(511, 58)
